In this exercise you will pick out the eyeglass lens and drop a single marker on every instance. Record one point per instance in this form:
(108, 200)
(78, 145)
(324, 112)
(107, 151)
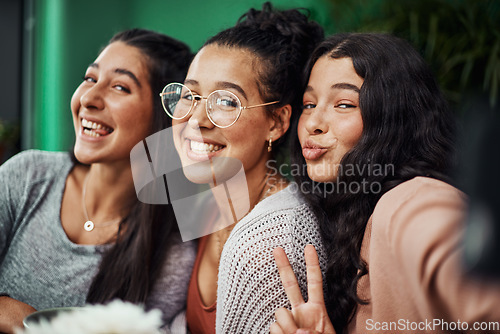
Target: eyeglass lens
(223, 107)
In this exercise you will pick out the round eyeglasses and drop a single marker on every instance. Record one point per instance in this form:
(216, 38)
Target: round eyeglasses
(223, 107)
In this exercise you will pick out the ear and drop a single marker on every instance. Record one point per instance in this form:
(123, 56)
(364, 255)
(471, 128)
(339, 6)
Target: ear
(280, 122)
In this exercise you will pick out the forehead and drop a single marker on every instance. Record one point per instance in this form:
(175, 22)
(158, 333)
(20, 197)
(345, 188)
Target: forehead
(330, 71)
(123, 56)
(215, 64)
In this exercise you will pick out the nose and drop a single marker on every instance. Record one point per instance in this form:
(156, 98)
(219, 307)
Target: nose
(198, 117)
(93, 98)
(315, 122)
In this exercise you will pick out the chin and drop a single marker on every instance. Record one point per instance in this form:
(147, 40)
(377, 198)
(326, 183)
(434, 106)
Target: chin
(216, 170)
(321, 177)
(199, 173)
(81, 156)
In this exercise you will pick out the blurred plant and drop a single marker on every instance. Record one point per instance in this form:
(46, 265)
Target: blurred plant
(460, 39)
(9, 133)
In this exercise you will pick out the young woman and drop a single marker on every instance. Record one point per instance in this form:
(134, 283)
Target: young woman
(377, 136)
(71, 228)
(235, 105)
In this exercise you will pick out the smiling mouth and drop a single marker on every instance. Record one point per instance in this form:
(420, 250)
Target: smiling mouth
(204, 148)
(95, 129)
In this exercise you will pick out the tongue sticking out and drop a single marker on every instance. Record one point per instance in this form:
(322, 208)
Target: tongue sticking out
(95, 129)
(102, 132)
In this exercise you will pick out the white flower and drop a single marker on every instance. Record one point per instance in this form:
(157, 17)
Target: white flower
(116, 317)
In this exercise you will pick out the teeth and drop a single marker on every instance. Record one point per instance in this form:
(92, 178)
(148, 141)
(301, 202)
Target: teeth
(91, 133)
(199, 147)
(94, 126)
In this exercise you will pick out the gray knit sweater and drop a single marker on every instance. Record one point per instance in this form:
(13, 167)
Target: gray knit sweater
(39, 265)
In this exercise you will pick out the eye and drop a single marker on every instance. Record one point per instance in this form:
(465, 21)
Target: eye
(187, 96)
(345, 106)
(308, 105)
(227, 101)
(89, 79)
(122, 88)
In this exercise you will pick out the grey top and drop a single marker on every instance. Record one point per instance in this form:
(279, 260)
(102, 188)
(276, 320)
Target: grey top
(39, 265)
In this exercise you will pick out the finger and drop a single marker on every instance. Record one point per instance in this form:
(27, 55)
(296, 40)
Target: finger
(288, 278)
(284, 319)
(306, 331)
(275, 329)
(314, 278)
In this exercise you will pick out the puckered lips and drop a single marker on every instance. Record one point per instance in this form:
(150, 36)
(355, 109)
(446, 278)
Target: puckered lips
(201, 149)
(95, 129)
(312, 150)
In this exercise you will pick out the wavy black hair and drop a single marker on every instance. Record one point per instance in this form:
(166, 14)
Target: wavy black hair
(132, 265)
(407, 125)
(281, 41)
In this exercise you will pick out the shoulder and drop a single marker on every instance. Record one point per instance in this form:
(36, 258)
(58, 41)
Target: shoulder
(33, 167)
(420, 192)
(416, 214)
(281, 220)
(35, 161)
(284, 205)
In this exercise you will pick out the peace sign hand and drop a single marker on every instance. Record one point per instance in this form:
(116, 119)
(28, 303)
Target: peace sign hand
(310, 317)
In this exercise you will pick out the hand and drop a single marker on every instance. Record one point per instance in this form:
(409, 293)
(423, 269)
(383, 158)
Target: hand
(12, 313)
(310, 317)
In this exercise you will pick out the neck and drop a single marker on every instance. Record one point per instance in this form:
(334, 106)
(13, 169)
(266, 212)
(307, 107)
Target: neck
(236, 198)
(109, 191)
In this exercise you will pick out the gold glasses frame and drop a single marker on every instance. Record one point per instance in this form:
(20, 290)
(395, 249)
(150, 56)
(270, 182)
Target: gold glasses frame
(197, 98)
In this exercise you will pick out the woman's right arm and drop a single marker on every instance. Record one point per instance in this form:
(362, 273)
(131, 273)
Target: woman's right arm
(7, 203)
(12, 311)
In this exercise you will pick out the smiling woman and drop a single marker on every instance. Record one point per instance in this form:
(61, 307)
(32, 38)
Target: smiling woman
(106, 106)
(71, 229)
(240, 93)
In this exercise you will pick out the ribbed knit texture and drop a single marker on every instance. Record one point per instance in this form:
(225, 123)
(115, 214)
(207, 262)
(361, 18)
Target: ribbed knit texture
(249, 287)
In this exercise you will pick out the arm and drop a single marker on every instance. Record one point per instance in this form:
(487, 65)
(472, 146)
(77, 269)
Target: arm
(12, 313)
(9, 196)
(12, 183)
(425, 235)
(170, 291)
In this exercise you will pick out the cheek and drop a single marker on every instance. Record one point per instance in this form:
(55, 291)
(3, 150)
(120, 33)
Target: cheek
(301, 130)
(75, 101)
(351, 130)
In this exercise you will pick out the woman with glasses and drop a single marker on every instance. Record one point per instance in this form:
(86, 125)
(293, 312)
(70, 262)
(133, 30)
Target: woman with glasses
(377, 137)
(233, 110)
(71, 228)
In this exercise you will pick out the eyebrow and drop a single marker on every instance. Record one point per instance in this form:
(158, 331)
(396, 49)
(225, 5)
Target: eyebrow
(220, 85)
(345, 85)
(341, 85)
(121, 71)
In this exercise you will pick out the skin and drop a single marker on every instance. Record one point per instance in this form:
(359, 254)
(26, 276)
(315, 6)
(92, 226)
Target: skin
(114, 99)
(328, 128)
(246, 140)
(115, 92)
(331, 123)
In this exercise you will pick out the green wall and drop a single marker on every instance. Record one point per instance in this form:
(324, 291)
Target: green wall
(68, 34)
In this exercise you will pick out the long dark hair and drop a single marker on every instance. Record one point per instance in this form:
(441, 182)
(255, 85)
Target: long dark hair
(131, 266)
(281, 42)
(408, 130)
